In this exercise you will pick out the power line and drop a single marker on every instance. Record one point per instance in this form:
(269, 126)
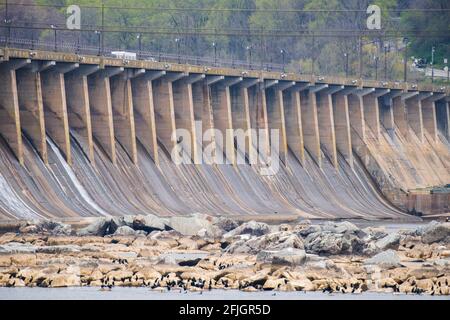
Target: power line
(245, 33)
(244, 10)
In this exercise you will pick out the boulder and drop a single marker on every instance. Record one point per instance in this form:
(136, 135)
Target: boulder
(387, 259)
(65, 280)
(375, 233)
(125, 231)
(436, 232)
(99, 227)
(190, 226)
(149, 223)
(391, 241)
(226, 224)
(289, 256)
(58, 249)
(329, 243)
(340, 227)
(305, 229)
(252, 228)
(272, 241)
(16, 247)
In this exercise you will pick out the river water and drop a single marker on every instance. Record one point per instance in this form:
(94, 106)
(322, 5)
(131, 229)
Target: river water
(88, 293)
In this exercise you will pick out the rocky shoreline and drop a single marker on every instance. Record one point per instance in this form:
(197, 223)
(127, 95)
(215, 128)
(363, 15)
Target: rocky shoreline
(201, 252)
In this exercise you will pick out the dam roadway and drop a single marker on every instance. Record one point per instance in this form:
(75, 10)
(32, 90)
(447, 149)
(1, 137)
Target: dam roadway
(85, 136)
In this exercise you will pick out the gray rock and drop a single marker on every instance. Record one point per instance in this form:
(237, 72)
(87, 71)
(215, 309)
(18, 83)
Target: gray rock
(329, 243)
(391, 241)
(190, 226)
(253, 228)
(99, 227)
(386, 259)
(273, 241)
(149, 223)
(306, 230)
(226, 224)
(182, 259)
(375, 233)
(289, 256)
(125, 231)
(16, 247)
(58, 249)
(436, 232)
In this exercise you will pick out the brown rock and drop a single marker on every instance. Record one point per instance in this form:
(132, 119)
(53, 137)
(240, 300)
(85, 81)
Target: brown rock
(23, 260)
(65, 280)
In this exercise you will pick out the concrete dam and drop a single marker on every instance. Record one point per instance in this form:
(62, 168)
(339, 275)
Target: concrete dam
(86, 136)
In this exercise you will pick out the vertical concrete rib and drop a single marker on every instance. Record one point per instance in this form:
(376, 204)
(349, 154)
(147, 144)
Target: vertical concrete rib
(203, 114)
(372, 114)
(101, 112)
(429, 116)
(400, 116)
(184, 112)
(443, 117)
(10, 126)
(123, 113)
(223, 120)
(325, 113)
(294, 126)
(78, 106)
(310, 123)
(144, 112)
(32, 109)
(276, 115)
(414, 115)
(55, 110)
(357, 124)
(342, 126)
(164, 110)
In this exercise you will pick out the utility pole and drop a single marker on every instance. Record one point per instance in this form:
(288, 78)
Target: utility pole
(283, 53)
(360, 58)
(215, 53)
(376, 58)
(446, 69)
(386, 49)
(99, 33)
(249, 49)
(7, 22)
(54, 29)
(433, 50)
(139, 37)
(405, 61)
(346, 64)
(177, 41)
(102, 34)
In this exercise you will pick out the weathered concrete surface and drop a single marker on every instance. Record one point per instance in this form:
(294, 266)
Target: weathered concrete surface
(340, 143)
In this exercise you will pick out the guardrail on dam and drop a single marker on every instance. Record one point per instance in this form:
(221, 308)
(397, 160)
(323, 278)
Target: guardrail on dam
(87, 136)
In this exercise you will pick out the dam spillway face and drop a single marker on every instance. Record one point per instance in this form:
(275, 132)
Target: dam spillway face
(91, 136)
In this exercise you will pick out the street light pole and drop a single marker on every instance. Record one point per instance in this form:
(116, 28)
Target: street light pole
(139, 37)
(249, 49)
(54, 29)
(433, 50)
(386, 47)
(215, 53)
(98, 33)
(346, 64)
(177, 41)
(405, 62)
(283, 53)
(376, 58)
